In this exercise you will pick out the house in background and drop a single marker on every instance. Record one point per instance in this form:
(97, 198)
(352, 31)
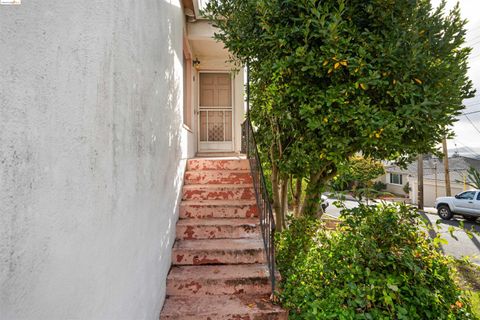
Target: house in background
(102, 103)
(433, 179)
(395, 179)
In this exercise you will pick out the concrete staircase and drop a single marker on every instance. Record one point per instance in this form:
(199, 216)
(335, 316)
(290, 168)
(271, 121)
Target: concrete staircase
(219, 269)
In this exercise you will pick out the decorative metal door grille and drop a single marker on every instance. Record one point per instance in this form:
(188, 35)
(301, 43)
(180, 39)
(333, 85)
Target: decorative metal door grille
(215, 125)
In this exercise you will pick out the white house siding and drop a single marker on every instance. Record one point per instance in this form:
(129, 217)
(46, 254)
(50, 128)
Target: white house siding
(91, 156)
(432, 190)
(395, 189)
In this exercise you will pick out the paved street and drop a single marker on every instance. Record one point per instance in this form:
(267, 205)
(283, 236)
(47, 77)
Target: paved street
(464, 246)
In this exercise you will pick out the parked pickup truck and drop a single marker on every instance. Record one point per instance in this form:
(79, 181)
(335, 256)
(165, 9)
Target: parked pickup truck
(466, 204)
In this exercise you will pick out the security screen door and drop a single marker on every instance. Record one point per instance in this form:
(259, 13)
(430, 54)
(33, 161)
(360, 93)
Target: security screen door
(215, 112)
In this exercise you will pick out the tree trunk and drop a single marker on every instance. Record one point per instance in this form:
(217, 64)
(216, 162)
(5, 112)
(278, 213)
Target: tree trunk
(284, 202)
(277, 202)
(311, 203)
(420, 180)
(448, 189)
(297, 196)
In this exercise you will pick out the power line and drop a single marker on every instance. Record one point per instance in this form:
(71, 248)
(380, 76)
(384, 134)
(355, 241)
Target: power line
(473, 33)
(466, 147)
(471, 122)
(457, 170)
(465, 114)
(472, 105)
(474, 57)
(472, 36)
(474, 43)
(471, 39)
(474, 40)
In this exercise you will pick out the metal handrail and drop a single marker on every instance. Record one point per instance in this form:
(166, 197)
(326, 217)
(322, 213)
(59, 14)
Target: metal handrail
(267, 222)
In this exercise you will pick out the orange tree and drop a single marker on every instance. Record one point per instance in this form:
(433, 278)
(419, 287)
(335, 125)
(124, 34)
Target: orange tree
(357, 172)
(331, 78)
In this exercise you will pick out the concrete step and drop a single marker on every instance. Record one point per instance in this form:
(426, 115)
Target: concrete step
(190, 229)
(218, 177)
(200, 209)
(221, 308)
(217, 164)
(218, 280)
(218, 192)
(218, 251)
(227, 154)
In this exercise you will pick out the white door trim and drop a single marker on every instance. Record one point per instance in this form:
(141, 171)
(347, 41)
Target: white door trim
(216, 146)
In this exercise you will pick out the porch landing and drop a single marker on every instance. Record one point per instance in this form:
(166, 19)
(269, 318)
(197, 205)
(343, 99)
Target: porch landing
(219, 269)
(220, 155)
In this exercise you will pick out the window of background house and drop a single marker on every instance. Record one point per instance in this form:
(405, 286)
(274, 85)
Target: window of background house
(396, 178)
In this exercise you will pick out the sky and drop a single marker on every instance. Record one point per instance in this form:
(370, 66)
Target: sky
(467, 137)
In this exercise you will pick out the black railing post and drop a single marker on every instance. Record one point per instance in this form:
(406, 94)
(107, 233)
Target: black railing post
(248, 110)
(267, 222)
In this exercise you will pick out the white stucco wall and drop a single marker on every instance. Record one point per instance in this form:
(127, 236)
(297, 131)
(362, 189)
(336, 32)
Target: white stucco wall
(92, 153)
(432, 190)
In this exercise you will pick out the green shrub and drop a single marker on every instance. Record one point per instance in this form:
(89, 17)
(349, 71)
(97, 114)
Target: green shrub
(379, 186)
(406, 188)
(358, 172)
(294, 243)
(380, 264)
(338, 185)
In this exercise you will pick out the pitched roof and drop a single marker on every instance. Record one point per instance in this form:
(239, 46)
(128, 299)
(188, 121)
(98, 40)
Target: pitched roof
(458, 168)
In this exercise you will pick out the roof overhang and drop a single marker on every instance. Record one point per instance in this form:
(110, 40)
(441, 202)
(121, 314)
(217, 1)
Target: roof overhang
(201, 36)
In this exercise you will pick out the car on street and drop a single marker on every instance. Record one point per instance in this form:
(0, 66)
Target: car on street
(325, 203)
(466, 204)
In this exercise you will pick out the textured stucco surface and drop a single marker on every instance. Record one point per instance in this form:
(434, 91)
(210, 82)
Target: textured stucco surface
(92, 156)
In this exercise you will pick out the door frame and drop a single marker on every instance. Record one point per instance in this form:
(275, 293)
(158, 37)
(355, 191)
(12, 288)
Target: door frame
(232, 93)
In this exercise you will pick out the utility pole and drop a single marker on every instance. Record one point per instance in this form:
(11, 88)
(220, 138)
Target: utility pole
(448, 190)
(436, 184)
(420, 180)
